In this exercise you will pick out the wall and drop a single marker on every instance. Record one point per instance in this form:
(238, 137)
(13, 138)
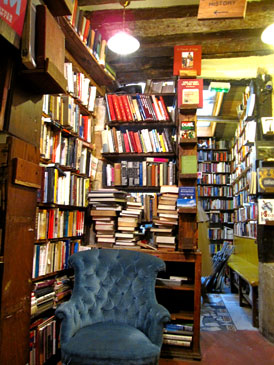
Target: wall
(245, 68)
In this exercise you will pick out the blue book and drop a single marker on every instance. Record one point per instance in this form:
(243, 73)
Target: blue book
(140, 173)
(186, 196)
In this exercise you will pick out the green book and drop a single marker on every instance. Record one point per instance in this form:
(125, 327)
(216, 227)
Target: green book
(189, 164)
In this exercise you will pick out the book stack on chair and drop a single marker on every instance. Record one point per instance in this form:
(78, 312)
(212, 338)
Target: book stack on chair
(178, 334)
(105, 204)
(128, 223)
(167, 218)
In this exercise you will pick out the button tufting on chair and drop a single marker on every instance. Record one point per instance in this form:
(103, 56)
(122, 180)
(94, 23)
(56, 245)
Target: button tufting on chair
(113, 317)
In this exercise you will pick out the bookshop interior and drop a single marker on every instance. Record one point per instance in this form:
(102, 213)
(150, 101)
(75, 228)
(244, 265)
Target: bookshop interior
(137, 182)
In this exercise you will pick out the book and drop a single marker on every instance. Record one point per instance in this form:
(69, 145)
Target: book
(187, 60)
(190, 93)
(265, 179)
(188, 164)
(186, 197)
(265, 211)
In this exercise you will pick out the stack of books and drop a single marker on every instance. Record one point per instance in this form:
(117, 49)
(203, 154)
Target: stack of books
(128, 223)
(42, 297)
(178, 334)
(167, 218)
(105, 204)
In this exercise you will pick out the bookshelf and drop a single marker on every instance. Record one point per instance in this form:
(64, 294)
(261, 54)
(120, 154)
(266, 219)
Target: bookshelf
(138, 142)
(243, 174)
(215, 189)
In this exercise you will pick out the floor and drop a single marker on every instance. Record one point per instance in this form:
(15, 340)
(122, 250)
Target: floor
(243, 345)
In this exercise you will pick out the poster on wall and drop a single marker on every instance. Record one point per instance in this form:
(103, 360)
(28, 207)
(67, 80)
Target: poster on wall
(187, 60)
(13, 13)
(265, 211)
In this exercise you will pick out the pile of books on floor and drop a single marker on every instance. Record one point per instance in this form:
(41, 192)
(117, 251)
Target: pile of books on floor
(128, 224)
(167, 218)
(105, 206)
(178, 334)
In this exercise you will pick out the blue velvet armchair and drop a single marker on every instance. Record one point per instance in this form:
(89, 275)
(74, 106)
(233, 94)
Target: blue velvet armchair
(113, 317)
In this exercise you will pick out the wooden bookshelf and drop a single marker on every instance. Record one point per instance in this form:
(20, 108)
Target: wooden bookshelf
(84, 57)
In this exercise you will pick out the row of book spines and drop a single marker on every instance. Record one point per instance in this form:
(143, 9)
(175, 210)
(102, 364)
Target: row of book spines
(218, 204)
(80, 86)
(221, 217)
(66, 112)
(43, 341)
(248, 229)
(210, 179)
(53, 256)
(214, 167)
(214, 156)
(215, 191)
(143, 141)
(67, 189)
(128, 173)
(128, 108)
(63, 150)
(55, 223)
(92, 38)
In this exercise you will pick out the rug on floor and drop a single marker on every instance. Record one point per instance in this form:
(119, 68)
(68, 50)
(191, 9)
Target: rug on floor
(215, 316)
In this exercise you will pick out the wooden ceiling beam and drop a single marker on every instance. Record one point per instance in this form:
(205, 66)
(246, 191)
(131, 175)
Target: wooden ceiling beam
(98, 2)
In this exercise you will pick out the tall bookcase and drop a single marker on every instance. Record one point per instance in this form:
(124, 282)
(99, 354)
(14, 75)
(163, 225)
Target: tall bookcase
(21, 177)
(215, 189)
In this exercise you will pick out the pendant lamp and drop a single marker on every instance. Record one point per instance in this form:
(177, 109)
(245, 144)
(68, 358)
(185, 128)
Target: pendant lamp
(122, 42)
(268, 35)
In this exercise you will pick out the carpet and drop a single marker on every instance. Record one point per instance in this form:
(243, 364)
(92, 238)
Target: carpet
(215, 316)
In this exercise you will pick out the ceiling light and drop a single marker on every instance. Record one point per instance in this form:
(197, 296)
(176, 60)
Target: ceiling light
(122, 42)
(268, 35)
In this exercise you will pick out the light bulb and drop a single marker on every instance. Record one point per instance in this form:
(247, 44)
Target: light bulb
(268, 35)
(123, 43)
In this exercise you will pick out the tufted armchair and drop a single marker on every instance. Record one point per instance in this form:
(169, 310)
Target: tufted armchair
(113, 317)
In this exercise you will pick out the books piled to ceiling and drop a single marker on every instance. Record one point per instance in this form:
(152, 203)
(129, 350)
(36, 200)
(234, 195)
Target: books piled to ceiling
(105, 206)
(167, 218)
(128, 224)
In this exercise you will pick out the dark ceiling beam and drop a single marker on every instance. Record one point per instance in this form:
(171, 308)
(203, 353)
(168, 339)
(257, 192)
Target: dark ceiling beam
(98, 2)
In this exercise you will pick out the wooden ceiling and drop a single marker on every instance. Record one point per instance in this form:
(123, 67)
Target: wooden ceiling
(160, 28)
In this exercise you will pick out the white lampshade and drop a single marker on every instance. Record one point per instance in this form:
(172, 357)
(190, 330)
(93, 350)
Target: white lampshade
(123, 43)
(268, 35)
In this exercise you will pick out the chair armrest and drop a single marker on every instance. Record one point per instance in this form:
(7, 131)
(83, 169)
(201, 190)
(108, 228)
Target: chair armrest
(69, 316)
(157, 316)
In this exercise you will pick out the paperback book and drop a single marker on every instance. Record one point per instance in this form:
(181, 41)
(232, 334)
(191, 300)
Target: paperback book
(187, 60)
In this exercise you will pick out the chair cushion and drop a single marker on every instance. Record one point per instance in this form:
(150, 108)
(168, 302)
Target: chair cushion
(110, 344)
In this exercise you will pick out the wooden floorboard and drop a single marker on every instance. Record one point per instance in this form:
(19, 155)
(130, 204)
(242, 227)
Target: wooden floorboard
(231, 348)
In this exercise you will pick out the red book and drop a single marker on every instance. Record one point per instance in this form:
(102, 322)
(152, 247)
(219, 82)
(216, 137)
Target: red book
(164, 107)
(86, 30)
(126, 142)
(190, 93)
(51, 223)
(138, 142)
(187, 59)
(132, 139)
(85, 120)
(111, 107)
(117, 108)
(127, 108)
(122, 108)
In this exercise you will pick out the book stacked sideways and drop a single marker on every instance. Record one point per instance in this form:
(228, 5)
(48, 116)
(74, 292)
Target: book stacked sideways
(178, 334)
(167, 218)
(128, 223)
(105, 204)
(136, 108)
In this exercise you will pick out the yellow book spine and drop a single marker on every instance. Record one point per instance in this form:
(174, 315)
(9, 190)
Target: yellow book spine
(162, 143)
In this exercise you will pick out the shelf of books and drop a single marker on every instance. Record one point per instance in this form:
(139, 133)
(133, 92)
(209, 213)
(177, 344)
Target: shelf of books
(82, 39)
(215, 189)
(243, 174)
(67, 167)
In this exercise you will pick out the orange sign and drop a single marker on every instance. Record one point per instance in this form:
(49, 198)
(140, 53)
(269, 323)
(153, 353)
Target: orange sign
(214, 9)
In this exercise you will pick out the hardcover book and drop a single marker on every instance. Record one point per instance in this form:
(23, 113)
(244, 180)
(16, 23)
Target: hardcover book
(187, 60)
(190, 93)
